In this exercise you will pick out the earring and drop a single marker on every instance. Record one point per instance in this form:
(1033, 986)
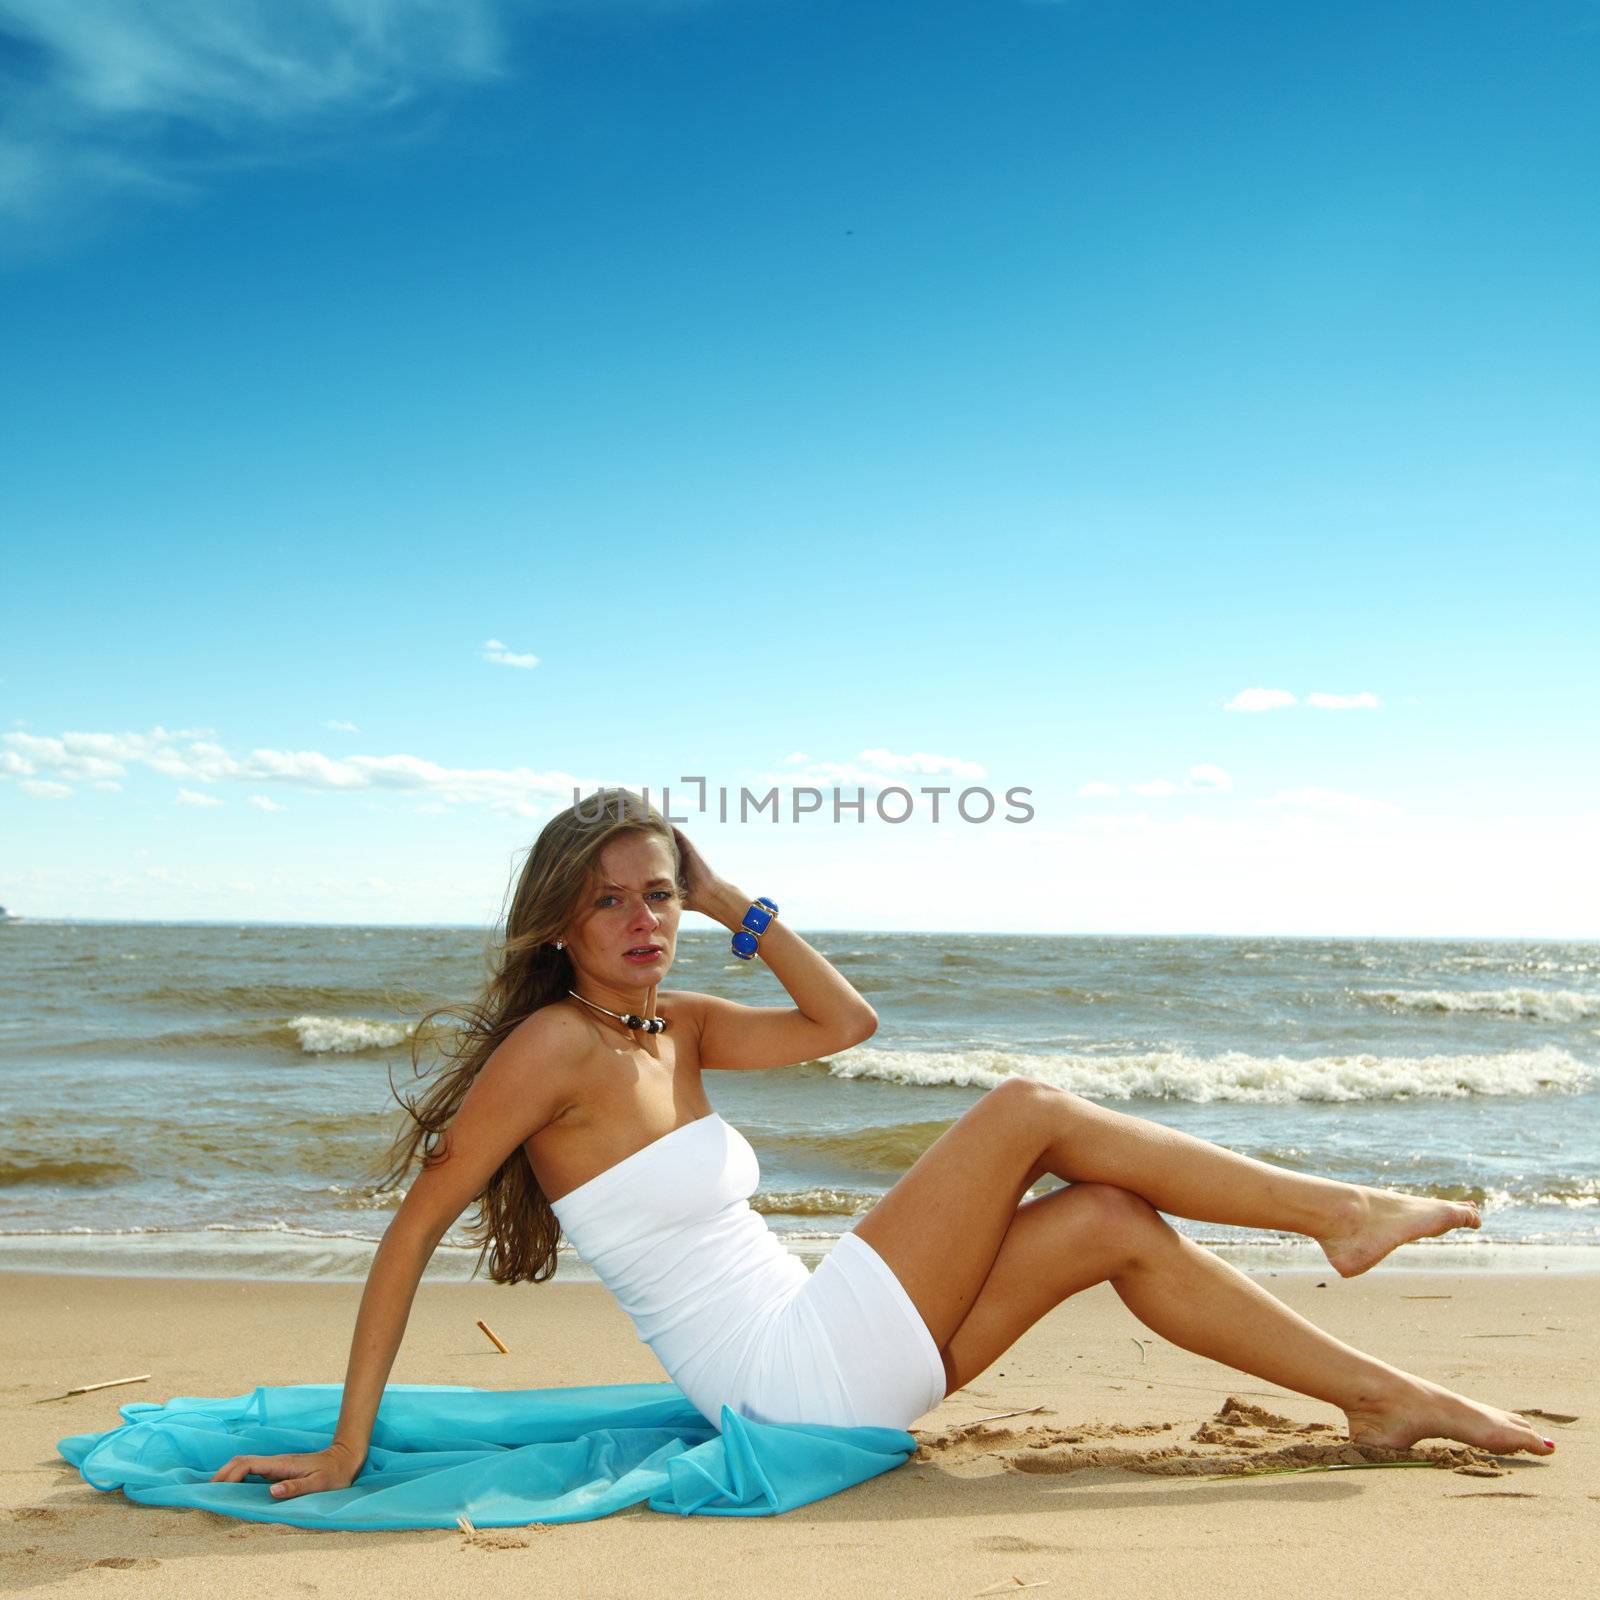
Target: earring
(560, 943)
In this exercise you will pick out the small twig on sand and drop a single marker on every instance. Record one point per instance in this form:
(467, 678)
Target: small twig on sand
(88, 1388)
(493, 1336)
(999, 1416)
(1320, 1466)
(1013, 1586)
(464, 1523)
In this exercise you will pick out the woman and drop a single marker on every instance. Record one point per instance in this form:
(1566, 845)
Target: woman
(578, 1103)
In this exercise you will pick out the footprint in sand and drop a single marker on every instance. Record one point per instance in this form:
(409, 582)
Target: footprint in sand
(140, 1563)
(1250, 1438)
(1010, 1544)
(495, 1539)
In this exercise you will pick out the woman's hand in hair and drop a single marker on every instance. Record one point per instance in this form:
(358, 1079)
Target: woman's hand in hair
(704, 891)
(292, 1475)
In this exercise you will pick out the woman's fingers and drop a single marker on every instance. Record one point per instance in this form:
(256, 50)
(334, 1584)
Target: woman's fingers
(239, 1468)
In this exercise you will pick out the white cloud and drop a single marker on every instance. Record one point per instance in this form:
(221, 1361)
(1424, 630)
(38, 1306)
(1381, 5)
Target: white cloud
(872, 769)
(920, 762)
(110, 91)
(493, 650)
(1206, 779)
(517, 791)
(1202, 779)
(264, 803)
(45, 789)
(1343, 702)
(341, 727)
(190, 797)
(1331, 802)
(794, 758)
(1260, 700)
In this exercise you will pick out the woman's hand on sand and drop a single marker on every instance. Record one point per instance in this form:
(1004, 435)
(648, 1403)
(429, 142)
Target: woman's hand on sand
(704, 891)
(291, 1475)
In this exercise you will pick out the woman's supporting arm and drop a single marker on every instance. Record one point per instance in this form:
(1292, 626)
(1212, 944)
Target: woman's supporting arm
(396, 1270)
(521, 1087)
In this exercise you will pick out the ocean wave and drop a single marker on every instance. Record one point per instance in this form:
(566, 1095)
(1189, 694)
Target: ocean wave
(254, 999)
(879, 1147)
(365, 1197)
(86, 1174)
(1548, 1005)
(304, 1035)
(1234, 1075)
(817, 1202)
(347, 1035)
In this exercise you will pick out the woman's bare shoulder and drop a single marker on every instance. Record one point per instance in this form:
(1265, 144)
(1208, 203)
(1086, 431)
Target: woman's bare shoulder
(556, 1037)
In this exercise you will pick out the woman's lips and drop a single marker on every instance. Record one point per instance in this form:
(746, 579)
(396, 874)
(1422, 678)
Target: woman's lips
(653, 954)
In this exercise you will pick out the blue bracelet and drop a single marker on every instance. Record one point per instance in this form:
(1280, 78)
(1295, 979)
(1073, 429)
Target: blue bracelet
(752, 926)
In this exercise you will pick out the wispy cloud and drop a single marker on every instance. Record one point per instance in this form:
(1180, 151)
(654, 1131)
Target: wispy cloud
(192, 797)
(102, 95)
(57, 761)
(1343, 702)
(1201, 779)
(1331, 802)
(1260, 700)
(1277, 699)
(873, 769)
(1207, 779)
(505, 656)
(264, 802)
(341, 727)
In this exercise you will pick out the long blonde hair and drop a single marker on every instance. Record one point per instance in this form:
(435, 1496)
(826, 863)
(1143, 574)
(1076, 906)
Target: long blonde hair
(515, 1229)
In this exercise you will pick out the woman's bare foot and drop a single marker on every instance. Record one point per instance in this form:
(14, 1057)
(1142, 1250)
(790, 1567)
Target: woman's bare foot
(1379, 1220)
(1421, 1410)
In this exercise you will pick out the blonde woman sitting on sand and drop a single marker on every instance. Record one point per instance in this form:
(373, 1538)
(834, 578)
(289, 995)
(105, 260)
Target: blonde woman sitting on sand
(578, 1104)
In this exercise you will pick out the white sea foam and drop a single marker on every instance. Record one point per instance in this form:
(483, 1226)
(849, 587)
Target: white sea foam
(345, 1035)
(1233, 1075)
(1548, 1005)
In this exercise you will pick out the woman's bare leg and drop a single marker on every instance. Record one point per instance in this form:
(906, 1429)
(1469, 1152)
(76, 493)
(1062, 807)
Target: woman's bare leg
(1089, 1233)
(1195, 1299)
(1178, 1173)
(941, 1227)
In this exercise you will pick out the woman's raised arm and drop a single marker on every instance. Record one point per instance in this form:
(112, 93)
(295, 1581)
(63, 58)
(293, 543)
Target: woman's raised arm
(828, 1014)
(521, 1088)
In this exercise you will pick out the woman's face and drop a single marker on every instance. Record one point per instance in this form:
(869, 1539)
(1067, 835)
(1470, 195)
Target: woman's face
(624, 932)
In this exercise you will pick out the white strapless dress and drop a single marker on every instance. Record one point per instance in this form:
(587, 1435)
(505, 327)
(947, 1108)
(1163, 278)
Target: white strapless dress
(731, 1315)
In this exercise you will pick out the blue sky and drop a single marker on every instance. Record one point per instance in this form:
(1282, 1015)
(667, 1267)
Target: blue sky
(414, 408)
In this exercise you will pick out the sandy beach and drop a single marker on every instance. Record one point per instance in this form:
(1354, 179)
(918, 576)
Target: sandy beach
(1081, 1495)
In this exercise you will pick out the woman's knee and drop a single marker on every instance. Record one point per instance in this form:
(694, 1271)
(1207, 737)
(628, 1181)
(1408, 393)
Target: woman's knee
(1129, 1225)
(1027, 1097)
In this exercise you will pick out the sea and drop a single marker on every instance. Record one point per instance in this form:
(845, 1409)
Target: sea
(213, 1099)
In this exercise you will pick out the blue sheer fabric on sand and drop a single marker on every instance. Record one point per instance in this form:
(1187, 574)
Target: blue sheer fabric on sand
(499, 1457)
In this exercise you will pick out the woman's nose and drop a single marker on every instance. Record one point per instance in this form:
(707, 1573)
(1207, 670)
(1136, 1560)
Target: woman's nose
(645, 916)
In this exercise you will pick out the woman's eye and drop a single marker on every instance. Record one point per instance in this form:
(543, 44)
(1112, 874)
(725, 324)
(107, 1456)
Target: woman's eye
(661, 894)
